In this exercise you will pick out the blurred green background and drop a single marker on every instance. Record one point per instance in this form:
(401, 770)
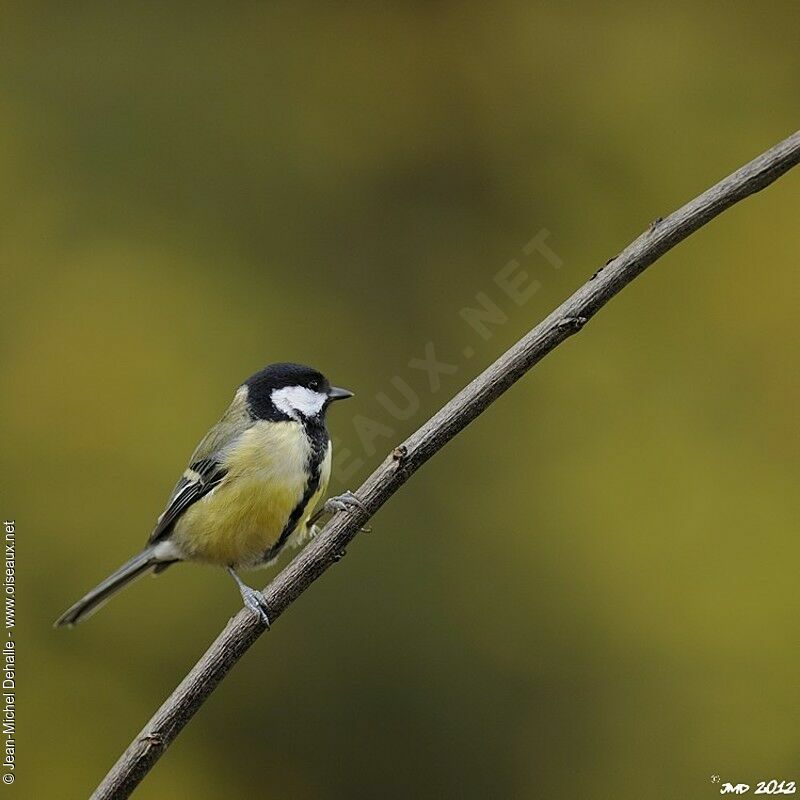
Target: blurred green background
(593, 591)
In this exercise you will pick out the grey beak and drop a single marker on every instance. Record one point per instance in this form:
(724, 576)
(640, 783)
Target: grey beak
(335, 393)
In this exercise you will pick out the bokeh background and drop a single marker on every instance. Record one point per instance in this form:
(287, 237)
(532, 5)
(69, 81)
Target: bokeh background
(592, 592)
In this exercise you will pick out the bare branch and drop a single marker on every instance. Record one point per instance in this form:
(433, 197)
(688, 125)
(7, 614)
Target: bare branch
(567, 319)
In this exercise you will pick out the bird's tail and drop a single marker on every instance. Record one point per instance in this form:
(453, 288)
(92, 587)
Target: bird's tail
(128, 572)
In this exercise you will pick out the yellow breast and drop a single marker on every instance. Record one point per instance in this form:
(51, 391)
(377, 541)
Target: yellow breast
(238, 521)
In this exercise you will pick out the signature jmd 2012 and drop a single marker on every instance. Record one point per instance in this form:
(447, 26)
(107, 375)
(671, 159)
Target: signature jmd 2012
(762, 787)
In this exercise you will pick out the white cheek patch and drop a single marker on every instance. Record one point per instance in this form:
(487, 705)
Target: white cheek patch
(294, 400)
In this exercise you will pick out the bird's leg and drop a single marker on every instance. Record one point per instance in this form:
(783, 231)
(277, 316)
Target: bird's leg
(341, 502)
(252, 598)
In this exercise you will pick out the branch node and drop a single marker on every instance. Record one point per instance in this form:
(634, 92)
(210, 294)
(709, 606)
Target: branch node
(153, 739)
(400, 454)
(655, 223)
(573, 323)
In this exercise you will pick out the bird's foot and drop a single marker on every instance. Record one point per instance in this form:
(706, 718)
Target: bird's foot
(257, 603)
(345, 502)
(252, 598)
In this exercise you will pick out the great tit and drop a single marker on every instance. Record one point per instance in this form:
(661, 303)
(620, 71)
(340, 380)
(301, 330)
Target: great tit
(250, 488)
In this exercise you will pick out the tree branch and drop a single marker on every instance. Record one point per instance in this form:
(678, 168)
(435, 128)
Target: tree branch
(567, 319)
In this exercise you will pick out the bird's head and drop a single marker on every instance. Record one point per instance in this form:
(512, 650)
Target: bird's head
(293, 391)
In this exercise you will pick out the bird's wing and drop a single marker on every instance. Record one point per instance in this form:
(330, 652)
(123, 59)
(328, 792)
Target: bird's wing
(198, 480)
(207, 466)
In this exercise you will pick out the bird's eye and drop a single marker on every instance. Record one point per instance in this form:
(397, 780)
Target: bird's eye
(313, 385)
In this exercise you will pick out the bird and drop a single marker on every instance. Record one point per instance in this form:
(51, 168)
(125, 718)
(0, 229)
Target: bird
(250, 489)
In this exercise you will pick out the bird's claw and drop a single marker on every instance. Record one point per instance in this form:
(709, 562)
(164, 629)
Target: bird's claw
(253, 599)
(256, 602)
(344, 502)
